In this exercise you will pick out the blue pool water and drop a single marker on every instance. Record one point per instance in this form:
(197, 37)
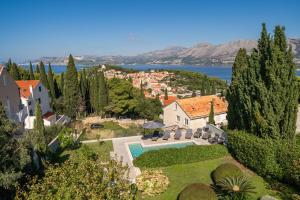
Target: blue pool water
(136, 149)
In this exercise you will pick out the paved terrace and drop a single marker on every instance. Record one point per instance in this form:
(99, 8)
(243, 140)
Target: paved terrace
(122, 153)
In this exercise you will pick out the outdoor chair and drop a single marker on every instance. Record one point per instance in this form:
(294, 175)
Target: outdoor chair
(214, 139)
(221, 140)
(155, 136)
(198, 133)
(166, 135)
(188, 134)
(177, 135)
(206, 135)
(206, 129)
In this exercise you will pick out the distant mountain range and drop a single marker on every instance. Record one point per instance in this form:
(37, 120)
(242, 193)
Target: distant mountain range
(200, 54)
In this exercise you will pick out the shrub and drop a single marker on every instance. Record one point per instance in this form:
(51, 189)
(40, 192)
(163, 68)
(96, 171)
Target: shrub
(173, 156)
(197, 191)
(225, 170)
(152, 182)
(235, 187)
(277, 159)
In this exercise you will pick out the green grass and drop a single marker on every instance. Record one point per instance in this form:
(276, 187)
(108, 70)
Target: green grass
(185, 174)
(111, 129)
(102, 148)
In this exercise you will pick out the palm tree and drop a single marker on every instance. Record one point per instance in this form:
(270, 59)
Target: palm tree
(235, 187)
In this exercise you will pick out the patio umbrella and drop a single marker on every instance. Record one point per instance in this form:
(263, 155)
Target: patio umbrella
(153, 125)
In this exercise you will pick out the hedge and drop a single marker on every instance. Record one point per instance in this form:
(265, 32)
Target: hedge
(173, 156)
(277, 159)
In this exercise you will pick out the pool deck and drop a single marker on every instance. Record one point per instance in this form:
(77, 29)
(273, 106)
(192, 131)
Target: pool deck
(122, 153)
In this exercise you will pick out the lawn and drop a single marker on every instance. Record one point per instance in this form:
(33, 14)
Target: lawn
(102, 148)
(185, 174)
(111, 129)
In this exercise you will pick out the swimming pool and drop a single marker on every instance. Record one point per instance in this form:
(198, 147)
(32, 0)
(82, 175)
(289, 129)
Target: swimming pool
(137, 149)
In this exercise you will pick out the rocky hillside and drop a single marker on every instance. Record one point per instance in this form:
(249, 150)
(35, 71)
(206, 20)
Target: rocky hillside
(200, 54)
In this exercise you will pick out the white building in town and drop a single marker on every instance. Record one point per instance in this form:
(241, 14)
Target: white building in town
(193, 112)
(31, 93)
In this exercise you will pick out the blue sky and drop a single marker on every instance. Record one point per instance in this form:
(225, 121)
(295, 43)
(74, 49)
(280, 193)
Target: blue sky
(34, 28)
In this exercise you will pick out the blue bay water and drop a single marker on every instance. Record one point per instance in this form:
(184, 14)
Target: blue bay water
(222, 72)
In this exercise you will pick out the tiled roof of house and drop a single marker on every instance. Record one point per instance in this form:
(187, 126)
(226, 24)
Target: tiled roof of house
(168, 101)
(200, 106)
(25, 85)
(48, 114)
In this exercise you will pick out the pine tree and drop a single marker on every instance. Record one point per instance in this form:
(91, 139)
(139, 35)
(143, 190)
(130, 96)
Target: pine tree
(14, 71)
(51, 82)
(166, 95)
(211, 116)
(71, 89)
(31, 74)
(39, 143)
(43, 76)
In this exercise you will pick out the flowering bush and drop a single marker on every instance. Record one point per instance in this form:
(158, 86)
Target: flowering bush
(152, 182)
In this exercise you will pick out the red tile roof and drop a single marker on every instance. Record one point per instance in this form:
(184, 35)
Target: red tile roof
(170, 100)
(48, 114)
(25, 85)
(200, 106)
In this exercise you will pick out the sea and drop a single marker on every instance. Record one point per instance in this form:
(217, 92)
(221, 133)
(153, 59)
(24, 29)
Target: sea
(222, 71)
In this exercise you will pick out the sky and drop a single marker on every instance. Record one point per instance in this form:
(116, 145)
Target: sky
(34, 28)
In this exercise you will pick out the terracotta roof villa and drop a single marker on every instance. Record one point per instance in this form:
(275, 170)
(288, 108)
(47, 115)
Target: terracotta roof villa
(200, 106)
(193, 112)
(25, 87)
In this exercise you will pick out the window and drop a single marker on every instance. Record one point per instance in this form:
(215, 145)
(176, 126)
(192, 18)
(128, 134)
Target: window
(29, 103)
(186, 121)
(40, 88)
(178, 118)
(175, 106)
(30, 112)
(39, 100)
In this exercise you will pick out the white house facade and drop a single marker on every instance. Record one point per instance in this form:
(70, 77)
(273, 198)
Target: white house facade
(31, 93)
(193, 112)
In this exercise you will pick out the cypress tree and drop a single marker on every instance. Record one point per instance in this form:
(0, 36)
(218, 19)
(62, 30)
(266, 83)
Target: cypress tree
(31, 74)
(43, 76)
(39, 143)
(71, 89)
(102, 92)
(61, 84)
(56, 89)
(37, 69)
(263, 93)
(8, 65)
(14, 71)
(166, 95)
(51, 82)
(211, 116)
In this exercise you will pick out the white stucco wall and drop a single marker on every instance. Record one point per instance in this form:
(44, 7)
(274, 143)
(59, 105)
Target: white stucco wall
(171, 113)
(33, 98)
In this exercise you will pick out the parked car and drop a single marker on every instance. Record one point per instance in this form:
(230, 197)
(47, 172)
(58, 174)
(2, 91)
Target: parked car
(96, 126)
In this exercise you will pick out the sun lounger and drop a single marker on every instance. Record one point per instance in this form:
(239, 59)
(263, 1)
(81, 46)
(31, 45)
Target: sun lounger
(198, 133)
(206, 135)
(166, 135)
(188, 134)
(177, 135)
(155, 136)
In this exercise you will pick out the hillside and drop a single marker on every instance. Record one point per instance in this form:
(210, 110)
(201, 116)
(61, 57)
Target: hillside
(200, 54)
